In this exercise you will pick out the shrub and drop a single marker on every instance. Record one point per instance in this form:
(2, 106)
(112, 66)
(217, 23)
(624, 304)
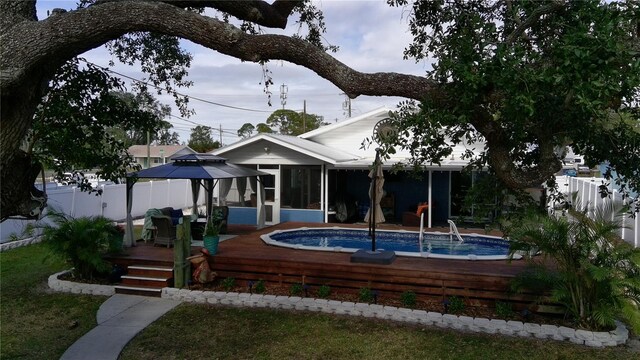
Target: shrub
(83, 242)
(408, 299)
(228, 284)
(324, 291)
(597, 274)
(365, 295)
(456, 305)
(296, 289)
(260, 287)
(504, 310)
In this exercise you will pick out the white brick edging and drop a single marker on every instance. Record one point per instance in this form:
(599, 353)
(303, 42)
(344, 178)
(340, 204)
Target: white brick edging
(19, 243)
(78, 288)
(616, 337)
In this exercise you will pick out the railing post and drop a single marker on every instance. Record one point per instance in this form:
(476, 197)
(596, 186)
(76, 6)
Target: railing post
(181, 250)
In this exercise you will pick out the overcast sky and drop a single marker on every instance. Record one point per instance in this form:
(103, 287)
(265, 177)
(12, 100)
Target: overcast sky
(371, 36)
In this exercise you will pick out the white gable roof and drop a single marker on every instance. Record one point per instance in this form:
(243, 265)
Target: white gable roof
(348, 135)
(337, 144)
(306, 147)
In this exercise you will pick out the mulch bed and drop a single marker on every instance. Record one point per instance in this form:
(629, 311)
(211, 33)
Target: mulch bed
(421, 304)
(339, 295)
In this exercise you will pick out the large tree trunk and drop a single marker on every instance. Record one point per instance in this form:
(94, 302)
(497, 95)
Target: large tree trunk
(18, 171)
(19, 195)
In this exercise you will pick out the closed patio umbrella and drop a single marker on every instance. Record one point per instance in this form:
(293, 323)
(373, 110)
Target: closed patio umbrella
(376, 192)
(374, 214)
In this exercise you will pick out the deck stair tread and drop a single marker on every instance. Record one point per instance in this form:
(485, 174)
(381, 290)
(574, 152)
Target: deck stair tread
(138, 288)
(148, 278)
(155, 268)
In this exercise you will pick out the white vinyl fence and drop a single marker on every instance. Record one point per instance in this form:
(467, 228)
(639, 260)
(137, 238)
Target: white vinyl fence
(112, 203)
(588, 193)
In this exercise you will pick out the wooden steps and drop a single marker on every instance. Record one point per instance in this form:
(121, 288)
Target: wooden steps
(145, 280)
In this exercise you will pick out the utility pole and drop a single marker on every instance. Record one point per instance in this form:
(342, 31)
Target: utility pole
(283, 95)
(346, 104)
(148, 149)
(221, 135)
(304, 117)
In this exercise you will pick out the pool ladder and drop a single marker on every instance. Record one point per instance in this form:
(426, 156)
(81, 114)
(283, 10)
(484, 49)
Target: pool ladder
(454, 230)
(420, 235)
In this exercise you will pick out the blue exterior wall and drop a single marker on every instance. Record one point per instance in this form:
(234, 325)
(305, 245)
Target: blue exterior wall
(407, 190)
(440, 194)
(242, 215)
(312, 216)
(247, 215)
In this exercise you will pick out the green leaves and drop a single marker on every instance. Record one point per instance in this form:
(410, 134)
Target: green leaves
(289, 122)
(201, 139)
(596, 275)
(83, 241)
(84, 121)
(530, 76)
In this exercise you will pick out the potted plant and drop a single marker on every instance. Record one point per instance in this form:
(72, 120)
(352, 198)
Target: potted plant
(211, 236)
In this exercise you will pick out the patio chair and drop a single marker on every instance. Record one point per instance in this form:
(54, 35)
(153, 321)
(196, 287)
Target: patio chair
(165, 231)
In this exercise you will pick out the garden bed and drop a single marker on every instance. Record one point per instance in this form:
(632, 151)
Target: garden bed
(503, 312)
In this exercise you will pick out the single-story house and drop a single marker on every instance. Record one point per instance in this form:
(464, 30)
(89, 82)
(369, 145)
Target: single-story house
(322, 176)
(158, 154)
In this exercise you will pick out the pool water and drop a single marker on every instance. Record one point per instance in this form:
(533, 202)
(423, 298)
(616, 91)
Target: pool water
(437, 245)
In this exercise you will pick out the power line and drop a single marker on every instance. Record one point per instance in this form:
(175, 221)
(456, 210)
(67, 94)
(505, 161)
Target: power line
(165, 89)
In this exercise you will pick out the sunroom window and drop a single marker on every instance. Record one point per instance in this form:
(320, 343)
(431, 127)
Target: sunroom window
(300, 187)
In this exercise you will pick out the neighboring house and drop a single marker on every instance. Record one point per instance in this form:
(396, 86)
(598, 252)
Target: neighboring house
(322, 176)
(158, 154)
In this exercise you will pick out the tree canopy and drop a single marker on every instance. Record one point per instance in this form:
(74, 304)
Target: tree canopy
(201, 139)
(526, 78)
(285, 122)
(87, 121)
(289, 122)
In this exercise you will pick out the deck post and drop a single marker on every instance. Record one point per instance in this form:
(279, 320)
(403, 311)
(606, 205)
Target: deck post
(182, 249)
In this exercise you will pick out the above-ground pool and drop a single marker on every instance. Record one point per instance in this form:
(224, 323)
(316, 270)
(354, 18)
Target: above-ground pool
(403, 243)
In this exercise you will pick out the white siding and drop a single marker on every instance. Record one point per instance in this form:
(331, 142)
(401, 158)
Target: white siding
(255, 153)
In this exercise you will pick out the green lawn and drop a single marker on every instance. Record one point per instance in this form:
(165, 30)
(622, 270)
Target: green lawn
(206, 332)
(35, 323)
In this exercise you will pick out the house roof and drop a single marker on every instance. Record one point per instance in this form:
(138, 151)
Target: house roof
(307, 147)
(167, 150)
(339, 144)
(377, 114)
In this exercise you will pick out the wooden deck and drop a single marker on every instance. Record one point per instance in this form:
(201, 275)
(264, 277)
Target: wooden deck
(247, 257)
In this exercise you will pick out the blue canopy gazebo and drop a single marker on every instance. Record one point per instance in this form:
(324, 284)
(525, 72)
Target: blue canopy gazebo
(203, 170)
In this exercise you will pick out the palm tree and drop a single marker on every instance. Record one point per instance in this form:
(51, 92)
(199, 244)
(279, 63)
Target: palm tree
(82, 241)
(596, 275)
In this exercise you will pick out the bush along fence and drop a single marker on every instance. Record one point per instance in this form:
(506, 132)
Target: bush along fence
(615, 337)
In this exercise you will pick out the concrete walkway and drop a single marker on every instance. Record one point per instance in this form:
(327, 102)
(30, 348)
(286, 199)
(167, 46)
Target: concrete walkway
(119, 319)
